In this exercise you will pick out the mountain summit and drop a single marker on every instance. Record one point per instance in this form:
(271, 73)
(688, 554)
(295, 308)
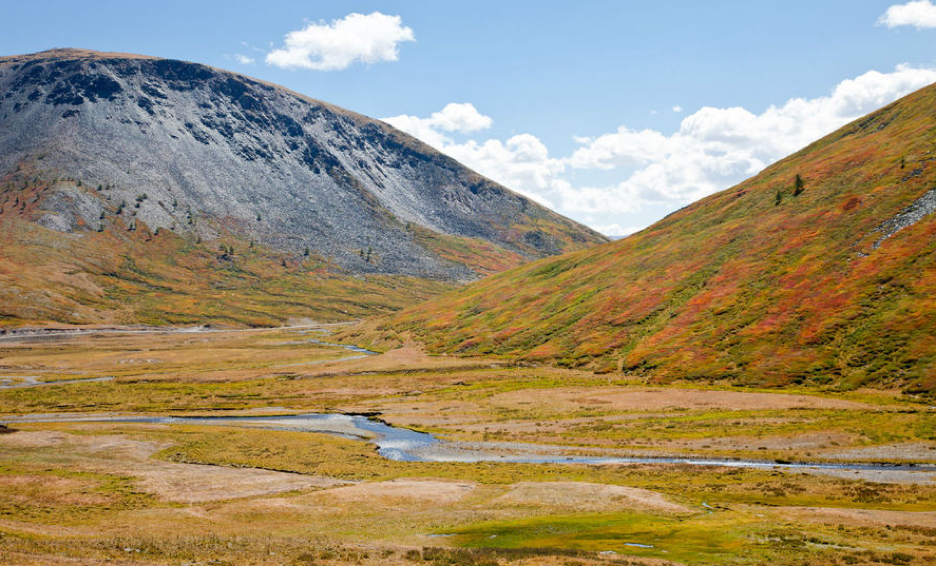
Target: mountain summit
(96, 144)
(821, 270)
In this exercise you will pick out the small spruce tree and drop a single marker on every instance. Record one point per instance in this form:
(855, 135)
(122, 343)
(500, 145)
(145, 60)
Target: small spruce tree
(798, 186)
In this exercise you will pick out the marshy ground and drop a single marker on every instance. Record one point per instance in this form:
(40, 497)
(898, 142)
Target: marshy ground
(134, 493)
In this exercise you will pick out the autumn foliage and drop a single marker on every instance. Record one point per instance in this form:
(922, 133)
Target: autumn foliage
(740, 285)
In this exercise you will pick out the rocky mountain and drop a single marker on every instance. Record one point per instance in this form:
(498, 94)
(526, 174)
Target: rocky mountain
(101, 145)
(819, 271)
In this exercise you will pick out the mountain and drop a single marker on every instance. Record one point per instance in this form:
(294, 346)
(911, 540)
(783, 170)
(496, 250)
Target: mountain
(127, 179)
(820, 271)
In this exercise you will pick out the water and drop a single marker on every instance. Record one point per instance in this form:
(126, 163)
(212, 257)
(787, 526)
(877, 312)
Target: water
(348, 347)
(406, 445)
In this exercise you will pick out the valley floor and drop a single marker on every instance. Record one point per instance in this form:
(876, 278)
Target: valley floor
(149, 493)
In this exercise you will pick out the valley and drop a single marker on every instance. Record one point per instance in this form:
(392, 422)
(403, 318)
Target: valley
(85, 483)
(239, 325)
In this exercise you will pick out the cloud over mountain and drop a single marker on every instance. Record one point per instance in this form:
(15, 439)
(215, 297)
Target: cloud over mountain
(714, 148)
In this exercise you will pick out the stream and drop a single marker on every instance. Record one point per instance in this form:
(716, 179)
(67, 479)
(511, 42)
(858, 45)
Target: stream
(395, 443)
(406, 445)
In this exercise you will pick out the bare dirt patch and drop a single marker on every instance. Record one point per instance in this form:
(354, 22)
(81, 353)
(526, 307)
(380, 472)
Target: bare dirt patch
(916, 451)
(587, 497)
(877, 476)
(860, 517)
(427, 491)
(807, 441)
(408, 358)
(614, 398)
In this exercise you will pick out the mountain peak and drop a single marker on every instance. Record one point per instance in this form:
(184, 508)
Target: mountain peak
(206, 154)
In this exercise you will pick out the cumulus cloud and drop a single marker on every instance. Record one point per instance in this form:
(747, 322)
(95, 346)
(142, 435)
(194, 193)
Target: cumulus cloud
(243, 59)
(460, 117)
(715, 148)
(677, 109)
(321, 46)
(919, 14)
(521, 163)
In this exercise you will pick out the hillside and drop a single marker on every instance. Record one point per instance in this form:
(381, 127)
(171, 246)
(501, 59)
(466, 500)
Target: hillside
(127, 181)
(829, 284)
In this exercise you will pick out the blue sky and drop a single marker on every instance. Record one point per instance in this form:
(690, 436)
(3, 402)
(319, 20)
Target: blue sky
(612, 112)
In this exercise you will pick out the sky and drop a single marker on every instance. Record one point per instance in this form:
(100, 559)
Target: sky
(613, 112)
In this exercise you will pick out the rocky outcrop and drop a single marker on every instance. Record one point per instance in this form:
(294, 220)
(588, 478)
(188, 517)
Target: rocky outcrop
(918, 209)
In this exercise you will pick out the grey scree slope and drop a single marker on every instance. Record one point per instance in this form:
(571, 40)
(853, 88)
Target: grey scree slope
(215, 151)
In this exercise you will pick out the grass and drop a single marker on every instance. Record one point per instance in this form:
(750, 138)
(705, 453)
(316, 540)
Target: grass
(326, 455)
(739, 538)
(694, 540)
(156, 356)
(59, 501)
(68, 498)
(747, 524)
(207, 373)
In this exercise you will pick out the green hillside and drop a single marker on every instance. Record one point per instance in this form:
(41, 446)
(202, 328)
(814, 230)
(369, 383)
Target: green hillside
(830, 281)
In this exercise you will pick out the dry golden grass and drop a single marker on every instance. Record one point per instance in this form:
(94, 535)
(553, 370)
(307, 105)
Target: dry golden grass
(194, 493)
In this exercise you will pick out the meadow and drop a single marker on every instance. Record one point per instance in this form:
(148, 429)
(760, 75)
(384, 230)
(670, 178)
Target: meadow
(134, 493)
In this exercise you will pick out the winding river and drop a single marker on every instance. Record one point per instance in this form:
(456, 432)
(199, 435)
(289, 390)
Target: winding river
(396, 443)
(406, 445)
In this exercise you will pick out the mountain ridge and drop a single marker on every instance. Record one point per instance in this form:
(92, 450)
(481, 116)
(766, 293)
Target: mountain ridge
(318, 157)
(127, 148)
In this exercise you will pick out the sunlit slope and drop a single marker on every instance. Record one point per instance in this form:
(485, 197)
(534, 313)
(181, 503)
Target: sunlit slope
(835, 285)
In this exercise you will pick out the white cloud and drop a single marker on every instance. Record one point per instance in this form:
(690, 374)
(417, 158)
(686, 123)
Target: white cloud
(624, 147)
(615, 230)
(715, 148)
(521, 163)
(370, 38)
(455, 117)
(243, 59)
(677, 109)
(919, 14)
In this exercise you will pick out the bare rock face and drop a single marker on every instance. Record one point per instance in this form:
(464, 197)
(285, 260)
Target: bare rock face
(194, 150)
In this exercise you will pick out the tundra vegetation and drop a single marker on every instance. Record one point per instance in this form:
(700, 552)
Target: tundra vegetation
(784, 322)
(134, 493)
